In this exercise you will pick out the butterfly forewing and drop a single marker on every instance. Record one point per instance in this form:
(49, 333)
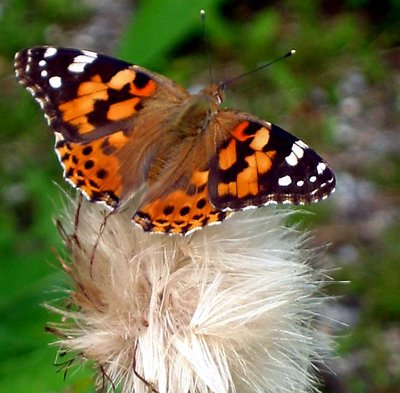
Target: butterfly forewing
(105, 114)
(261, 163)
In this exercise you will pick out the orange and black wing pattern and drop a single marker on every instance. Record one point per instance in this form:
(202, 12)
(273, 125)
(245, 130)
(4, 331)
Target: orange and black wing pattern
(182, 210)
(261, 164)
(91, 102)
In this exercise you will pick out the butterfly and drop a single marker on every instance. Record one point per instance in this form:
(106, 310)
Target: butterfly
(122, 130)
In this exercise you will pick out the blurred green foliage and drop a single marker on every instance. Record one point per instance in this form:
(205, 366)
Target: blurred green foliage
(166, 36)
(24, 23)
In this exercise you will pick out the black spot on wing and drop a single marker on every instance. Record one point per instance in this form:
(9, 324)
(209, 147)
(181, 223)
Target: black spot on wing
(141, 79)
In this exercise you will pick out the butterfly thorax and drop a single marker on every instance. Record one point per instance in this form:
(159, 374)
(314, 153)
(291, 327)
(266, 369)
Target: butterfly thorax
(187, 128)
(196, 113)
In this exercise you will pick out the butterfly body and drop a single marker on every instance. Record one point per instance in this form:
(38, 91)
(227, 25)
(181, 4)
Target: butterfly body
(120, 128)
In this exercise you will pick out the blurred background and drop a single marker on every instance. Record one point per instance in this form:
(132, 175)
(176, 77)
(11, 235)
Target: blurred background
(340, 93)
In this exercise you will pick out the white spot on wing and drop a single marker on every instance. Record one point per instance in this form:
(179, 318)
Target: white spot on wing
(298, 150)
(42, 63)
(285, 180)
(302, 144)
(300, 183)
(291, 159)
(43, 74)
(76, 67)
(55, 82)
(90, 53)
(313, 178)
(321, 167)
(84, 59)
(79, 63)
(50, 52)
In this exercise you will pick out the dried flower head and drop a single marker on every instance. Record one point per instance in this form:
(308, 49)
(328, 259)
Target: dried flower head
(229, 308)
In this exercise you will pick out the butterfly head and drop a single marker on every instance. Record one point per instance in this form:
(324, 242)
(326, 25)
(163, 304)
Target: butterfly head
(216, 91)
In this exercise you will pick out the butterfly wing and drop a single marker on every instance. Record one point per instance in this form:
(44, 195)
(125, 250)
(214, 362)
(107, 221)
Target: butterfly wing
(182, 209)
(260, 163)
(92, 103)
(240, 161)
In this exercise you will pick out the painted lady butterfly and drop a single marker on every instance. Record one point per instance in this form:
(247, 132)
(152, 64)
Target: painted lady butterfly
(120, 129)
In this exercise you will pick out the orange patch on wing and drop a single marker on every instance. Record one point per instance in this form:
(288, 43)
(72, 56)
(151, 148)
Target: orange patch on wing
(145, 91)
(121, 78)
(263, 162)
(233, 188)
(178, 212)
(223, 189)
(227, 189)
(251, 160)
(92, 171)
(117, 139)
(227, 156)
(261, 138)
(247, 180)
(81, 105)
(122, 110)
(90, 87)
(199, 178)
(238, 131)
(82, 124)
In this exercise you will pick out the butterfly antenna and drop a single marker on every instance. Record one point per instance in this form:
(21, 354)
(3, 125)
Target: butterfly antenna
(230, 81)
(203, 23)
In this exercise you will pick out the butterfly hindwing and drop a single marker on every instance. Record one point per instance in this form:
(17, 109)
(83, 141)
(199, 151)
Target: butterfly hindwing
(182, 210)
(261, 163)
